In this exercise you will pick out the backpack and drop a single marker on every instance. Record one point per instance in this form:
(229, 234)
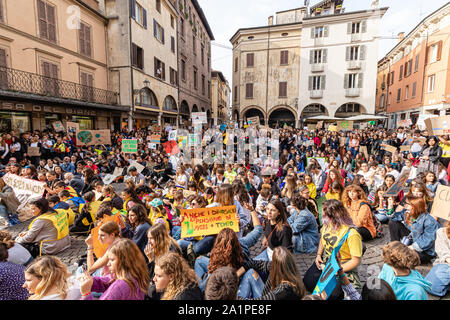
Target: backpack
(378, 226)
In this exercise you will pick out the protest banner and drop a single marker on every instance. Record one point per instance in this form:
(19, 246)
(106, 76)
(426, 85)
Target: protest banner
(172, 135)
(438, 126)
(199, 118)
(129, 145)
(138, 166)
(156, 139)
(333, 128)
(156, 128)
(441, 203)
(72, 127)
(310, 127)
(389, 148)
(58, 126)
(363, 125)
(319, 125)
(345, 125)
(309, 143)
(322, 162)
(25, 190)
(93, 137)
(253, 121)
(421, 120)
(171, 147)
(34, 151)
(182, 141)
(187, 193)
(406, 148)
(208, 221)
(118, 172)
(398, 186)
(108, 179)
(152, 146)
(404, 123)
(327, 281)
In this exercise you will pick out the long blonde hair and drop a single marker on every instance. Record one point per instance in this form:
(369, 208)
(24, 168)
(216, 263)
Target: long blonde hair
(131, 266)
(183, 276)
(163, 240)
(52, 273)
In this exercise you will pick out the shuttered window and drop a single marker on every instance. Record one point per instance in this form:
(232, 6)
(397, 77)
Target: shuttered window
(282, 92)
(249, 91)
(2, 18)
(47, 21)
(137, 57)
(3, 72)
(284, 57)
(236, 66)
(87, 81)
(158, 31)
(173, 76)
(160, 69)
(50, 71)
(414, 89)
(172, 44)
(85, 39)
(416, 66)
(250, 60)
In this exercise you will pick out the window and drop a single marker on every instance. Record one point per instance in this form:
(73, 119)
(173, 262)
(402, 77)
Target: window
(158, 31)
(284, 57)
(47, 21)
(209, 89)
(356, 26)
(408, 73)
(353, 80)
(319, 32)
(434, 52)
(416, 66)
(431, 83)
(87, 81)
(172, 21)
(203, 85)
(172, 44)
(137, 58)
(282, 92)
(389, 98)
(194, 46)
(236, 66)
(195, 79)
(250, 60)
(316, 83)
(160, 69)
(182, 27)
(84, 34)
(414, 89)
(392, 77)
(140, 15)
(399, 94)
(400, 76)
(2, 19)
(354, 53)
(158, 6)
(183, 70)
(249, 91)
(3, 73)
(235, 94)
(50, 71)
(316, 56)
(203, 55)
(406, 92)
(173, 76)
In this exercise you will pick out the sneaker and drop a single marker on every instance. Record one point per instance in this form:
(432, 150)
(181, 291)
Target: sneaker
(190, 255)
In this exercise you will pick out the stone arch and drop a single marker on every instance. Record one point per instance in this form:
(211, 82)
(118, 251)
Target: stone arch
(253, 111)
(170, 104)
(146, 98)
(350, 109)
(194, 108)
(184, 108)
(281, 115)
(312, 110)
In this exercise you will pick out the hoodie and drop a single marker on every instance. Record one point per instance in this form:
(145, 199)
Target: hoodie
(410, 287)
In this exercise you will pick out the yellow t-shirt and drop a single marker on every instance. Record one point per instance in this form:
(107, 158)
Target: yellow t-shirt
(334, 196)
(445, 150)
(312, 190)
(351, 247)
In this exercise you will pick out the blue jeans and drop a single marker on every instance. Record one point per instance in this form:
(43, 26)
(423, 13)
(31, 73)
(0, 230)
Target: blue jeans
(251, 285)
(354, 151)
(201, 268)
(382, 217)
(251, 238)
(176, 232)
(263, 256)
(12, 218)
(4, 212)
(200, 247)
(439, 276)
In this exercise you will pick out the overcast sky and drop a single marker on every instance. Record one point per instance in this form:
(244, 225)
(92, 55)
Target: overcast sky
(225, 17)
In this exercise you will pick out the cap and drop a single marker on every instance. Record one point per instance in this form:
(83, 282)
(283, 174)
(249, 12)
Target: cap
(156, 203)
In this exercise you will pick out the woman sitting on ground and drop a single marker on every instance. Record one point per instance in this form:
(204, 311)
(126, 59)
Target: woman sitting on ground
(138, 224)
(16, 252)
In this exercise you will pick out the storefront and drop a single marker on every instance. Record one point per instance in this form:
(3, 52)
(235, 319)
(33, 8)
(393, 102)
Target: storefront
(18, 121)
(85, 122)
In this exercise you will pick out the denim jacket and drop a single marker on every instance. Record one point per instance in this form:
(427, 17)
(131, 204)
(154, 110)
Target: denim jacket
(423, 232)
(305, 230)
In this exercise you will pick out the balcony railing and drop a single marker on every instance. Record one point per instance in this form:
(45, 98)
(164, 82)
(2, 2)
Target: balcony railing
(352, 92)
(316, 94)
(317, 67)
(26, 82)
(356, 37)
(354, 65)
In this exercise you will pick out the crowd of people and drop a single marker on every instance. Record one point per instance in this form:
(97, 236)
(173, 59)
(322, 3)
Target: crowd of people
(326, 186)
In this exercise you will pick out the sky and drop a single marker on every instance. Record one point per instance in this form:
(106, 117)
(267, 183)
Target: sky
(226, 17)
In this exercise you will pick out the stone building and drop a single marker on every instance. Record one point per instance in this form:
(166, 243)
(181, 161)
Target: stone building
(219, 97)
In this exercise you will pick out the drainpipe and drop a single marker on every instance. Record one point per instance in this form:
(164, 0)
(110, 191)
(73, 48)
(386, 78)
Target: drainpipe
(131, 113)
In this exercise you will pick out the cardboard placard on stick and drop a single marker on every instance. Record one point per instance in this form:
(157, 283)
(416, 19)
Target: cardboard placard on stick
(345, 125)
(389, 148)
(93, 137)
(398, 185)
(129, 145)
(438, 126)
(319, 125)
(208, 221)
(72, 127)
(441, 203)
(34, 151)
(406, 148)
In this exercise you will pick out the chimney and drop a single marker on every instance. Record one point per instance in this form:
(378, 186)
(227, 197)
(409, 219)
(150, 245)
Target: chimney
(401, 36)
(271, 21)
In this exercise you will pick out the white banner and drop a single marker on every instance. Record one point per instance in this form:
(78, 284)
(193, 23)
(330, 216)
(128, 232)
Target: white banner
(25, 189)
(199, 117)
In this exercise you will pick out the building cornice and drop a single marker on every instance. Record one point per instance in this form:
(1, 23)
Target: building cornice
(265, 29)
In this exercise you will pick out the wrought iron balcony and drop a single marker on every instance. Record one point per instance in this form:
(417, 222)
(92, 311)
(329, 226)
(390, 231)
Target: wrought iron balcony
(32, 83)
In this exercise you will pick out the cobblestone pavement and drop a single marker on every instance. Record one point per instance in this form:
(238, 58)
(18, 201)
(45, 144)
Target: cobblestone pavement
(371, 260)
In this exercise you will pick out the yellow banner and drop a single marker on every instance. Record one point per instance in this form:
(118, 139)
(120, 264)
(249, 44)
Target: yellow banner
(208, 221)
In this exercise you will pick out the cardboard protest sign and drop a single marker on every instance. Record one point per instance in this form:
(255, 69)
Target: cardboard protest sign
(93, 137)
(309, 143)
(34, 151)
(187, 193)
(199, 118)
(171, 147)
(421, 120)
(25, 190)
(345, 125)
(72, 127)
(172, 135)
(333, 128)
(389, 148)
(152, 146)
(253, 121)
(58, 126)
(108, 179)
(406, 148)
(310, 127)
(319, 125)
(438, 126)
(118, 172)
(441, 203)
(363, 125)
(182, 141)
(404, 123)
(156, 128)
(208, 221)
(398, 186)
(129, 145)
(138, 166)
(322, 162)
(156, 139)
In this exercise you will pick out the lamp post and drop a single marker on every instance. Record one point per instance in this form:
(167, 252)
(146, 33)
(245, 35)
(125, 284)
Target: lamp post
(131, 116)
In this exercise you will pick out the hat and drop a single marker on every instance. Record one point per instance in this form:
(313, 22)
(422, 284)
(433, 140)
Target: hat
(132, 169)
(156, 203)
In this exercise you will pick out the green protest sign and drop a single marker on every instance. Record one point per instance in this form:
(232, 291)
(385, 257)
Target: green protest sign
(129, 146)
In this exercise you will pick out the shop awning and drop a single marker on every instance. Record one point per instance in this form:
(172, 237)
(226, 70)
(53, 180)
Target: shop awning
(364, 117)
(323, 118)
